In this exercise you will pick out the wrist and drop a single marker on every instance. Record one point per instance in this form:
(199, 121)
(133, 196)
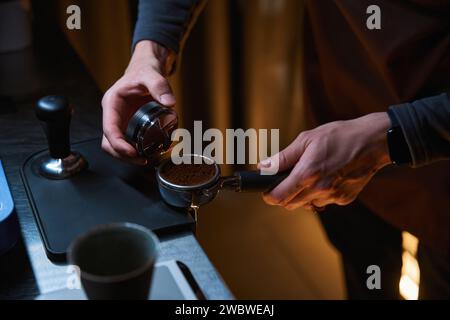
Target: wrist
(376, 125)
(155, 53)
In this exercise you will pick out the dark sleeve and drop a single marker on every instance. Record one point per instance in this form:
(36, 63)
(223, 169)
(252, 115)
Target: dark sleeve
(165, 21)
(426, 127)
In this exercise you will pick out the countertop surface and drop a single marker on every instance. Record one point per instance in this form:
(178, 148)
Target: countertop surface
(25, 271)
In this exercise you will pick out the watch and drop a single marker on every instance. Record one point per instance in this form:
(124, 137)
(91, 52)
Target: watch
(398, 147)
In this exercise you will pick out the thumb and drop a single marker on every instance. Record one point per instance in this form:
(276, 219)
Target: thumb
(160, 90)
(285, 159)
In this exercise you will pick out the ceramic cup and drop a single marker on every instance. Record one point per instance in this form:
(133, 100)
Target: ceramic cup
(115, 261)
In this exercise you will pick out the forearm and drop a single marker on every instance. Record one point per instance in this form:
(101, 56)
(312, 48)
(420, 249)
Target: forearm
(426, 127)
(166, 22)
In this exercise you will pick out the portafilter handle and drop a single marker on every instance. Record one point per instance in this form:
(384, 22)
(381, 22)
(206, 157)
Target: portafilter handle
(253, 181)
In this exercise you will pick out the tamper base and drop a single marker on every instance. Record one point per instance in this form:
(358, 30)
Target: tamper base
(58, 169)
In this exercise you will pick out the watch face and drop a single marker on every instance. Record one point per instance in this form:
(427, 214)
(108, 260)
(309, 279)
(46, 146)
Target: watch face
(398, 147)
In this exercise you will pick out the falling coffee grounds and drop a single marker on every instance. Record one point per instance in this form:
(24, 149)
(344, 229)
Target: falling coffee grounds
(188, 174)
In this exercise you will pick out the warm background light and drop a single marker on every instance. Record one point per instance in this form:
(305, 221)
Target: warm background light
(410, 279)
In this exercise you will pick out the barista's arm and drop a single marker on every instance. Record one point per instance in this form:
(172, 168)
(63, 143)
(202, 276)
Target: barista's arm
(166, 22)
(332, 163)
(426, 127)
(161, 29)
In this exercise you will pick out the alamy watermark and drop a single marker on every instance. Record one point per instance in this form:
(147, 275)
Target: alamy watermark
(373, 282)
(230, 148)
(373, 22)
(73, 21)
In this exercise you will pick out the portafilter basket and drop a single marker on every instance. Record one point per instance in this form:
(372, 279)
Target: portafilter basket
(194, 196)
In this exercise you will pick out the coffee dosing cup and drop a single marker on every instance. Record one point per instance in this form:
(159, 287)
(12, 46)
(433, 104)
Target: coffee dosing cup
(149, 131)
(115, 261)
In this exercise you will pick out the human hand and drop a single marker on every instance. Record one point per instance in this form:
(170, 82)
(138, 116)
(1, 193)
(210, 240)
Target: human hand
(144, 80)
(331, 163)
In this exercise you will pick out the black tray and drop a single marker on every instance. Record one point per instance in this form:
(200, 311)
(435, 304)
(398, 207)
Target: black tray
(108, 191)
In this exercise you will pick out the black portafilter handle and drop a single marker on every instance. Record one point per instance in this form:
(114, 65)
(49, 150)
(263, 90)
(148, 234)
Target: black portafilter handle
(254, 181)
(55, 112)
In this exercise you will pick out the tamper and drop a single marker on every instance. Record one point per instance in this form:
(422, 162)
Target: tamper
(61, 163)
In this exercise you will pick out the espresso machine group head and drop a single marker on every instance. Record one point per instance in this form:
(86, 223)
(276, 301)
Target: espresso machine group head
(55, 113)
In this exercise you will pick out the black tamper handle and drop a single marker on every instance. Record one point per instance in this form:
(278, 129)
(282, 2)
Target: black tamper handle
(55, 113)
(254, 181)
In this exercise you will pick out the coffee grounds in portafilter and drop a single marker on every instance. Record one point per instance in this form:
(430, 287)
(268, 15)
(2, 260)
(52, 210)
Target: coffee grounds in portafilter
(188, 174)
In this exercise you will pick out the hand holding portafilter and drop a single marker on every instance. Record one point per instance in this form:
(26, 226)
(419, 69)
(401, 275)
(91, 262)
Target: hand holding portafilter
(55, 113)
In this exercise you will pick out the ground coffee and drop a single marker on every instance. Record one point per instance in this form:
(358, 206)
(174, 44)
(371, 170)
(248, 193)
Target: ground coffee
(188, 174)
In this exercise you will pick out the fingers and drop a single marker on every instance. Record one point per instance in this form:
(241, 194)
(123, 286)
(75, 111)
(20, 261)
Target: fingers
(106, 146)
(159, 88)
(309, 199)
(302, 176)
(317, 196)
(121, 100)
(286, 158)
(302, 200)
(113, 123)
(287, 189)
(283, 161)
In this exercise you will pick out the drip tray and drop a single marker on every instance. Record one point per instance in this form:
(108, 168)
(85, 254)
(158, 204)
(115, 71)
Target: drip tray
(172, 280)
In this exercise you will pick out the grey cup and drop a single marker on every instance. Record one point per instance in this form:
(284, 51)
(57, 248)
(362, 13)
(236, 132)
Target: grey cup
(116, 261)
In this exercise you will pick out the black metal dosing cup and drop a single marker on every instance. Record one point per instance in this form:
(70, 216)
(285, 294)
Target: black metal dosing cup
(115, 261)
(197, 195)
